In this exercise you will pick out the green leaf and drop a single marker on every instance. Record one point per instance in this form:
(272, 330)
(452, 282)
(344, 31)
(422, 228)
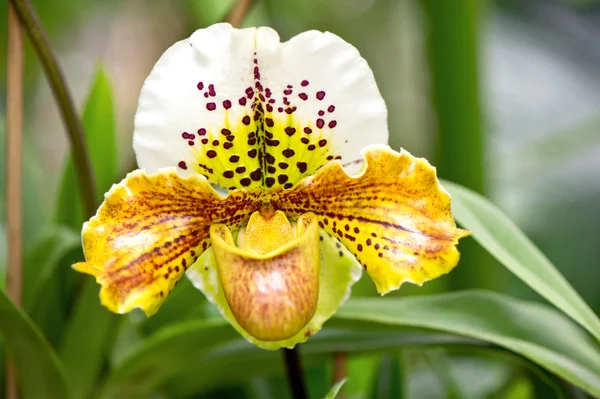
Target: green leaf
(503, 239)
(335, 389)
(87, 340)
(388, 383)
(531, 330)
(39, 370)
(99, 125)
(199, 355)
(43, 261)
(45, 298)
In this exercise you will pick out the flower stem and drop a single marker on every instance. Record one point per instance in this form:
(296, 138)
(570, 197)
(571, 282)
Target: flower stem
(14, 172)
(238, 12)
(340, 370)
(81, 159)
(295, 373)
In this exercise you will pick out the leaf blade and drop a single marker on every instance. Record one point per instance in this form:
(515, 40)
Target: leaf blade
(509, 245)
(43, 378)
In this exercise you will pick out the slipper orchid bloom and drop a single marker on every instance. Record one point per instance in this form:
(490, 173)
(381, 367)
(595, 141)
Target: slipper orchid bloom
(296, 132)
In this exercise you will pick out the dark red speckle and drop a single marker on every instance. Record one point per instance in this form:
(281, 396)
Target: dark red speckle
(304, 83)
(200, 85)
(320, 95)
(226, 104)
(182, 164)
(211, 106)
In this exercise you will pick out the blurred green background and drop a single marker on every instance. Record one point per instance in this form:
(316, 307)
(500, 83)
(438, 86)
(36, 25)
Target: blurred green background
(502, 96)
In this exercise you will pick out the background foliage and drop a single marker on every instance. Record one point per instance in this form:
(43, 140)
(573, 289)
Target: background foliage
(503, 97)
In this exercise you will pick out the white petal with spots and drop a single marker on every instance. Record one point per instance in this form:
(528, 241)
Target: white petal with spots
(245, 110)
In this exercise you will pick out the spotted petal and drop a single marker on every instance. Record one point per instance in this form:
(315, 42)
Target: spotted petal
(245, 110)
(150, 230)
(393, 216)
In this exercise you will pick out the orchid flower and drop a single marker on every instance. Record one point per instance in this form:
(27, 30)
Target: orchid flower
(296, 132)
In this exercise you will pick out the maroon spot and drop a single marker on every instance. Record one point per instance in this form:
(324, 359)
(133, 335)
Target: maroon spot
(228, 174)
(307, 130)
(369, 242)
(303, 96)
(288, 152)
(215, 143)
(256, 174)
(190, 143)
(320, 123)
(182, 165)
(230, 137)
(252, 153)
(290, 131)
(287, 92)
(185, 135)
(268, 92)
(246, 119)
(200, 85)
(380, 255)
(211, 86)
(204, 141)
(271, 169)
(212, 93)
(331, 108)
(359, 247)
(282, 179)
(289, 110)
(211, 153)
(242, 101)
(202, 131)
(304, 140)
(311, 147)
(227, 145)
(211, 106)
(245, 182)
(320, 95)
(329, 157)
(332, 124)
(286, 101)
(322, 143)
(225, 132)
(280, 109)
(304, 83)
(240, 169)
(269, 122)
(270, 159)
(226, 104)
(302, 166)
(262, 98)
(321, 113)
(272, 101)
(205, 94)
(269, 181)
(234, 158)
(283, 165)
(288, 185)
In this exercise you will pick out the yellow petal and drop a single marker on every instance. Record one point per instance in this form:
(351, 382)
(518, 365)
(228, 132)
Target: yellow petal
(149, 231)
(272, 295)
(393, 216)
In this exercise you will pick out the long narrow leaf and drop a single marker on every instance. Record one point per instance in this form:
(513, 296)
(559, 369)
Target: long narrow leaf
(39, 371)
(503, 239)
(99, 125)
(534, 331)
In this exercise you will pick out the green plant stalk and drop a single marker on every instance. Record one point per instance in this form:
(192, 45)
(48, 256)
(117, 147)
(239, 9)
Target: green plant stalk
(452, 46)
(85, 177)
